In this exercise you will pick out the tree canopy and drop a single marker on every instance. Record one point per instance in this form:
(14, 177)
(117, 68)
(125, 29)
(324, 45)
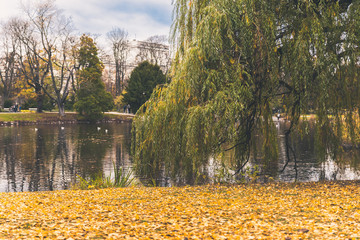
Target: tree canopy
(235, 61)
(144, 78)
(92, 98)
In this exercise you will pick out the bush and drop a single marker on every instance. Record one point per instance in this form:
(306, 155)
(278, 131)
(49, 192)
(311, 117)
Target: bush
(69, 104)
(30, 103)
(48, 104)
(8, 103)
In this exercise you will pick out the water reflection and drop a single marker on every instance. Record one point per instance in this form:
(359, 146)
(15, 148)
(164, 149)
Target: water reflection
(307, 165)
(38, 158)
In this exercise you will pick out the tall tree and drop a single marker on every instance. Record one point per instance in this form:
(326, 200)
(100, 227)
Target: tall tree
(234, 59)
(33, 66)
(92, 99)
(54, 32)
(120, 47)
(9, 70)
(144, 78)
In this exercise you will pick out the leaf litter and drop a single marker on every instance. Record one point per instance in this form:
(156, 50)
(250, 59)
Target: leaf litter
(326, 210)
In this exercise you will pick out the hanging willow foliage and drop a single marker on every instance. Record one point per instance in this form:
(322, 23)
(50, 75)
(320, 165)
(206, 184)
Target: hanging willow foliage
(235, 60)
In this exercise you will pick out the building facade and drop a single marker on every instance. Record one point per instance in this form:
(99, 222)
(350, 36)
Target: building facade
(135, 53)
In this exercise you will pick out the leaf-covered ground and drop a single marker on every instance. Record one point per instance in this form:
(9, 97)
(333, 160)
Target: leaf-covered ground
(274, 211)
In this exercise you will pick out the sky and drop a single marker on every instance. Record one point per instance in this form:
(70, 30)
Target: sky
(140, 18)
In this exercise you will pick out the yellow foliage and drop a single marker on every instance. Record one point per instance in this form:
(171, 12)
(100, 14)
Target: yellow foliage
(118, 101)
(27, 93)
(271, 211)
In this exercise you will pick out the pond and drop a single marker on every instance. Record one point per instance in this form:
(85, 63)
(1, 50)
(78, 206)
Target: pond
(53, 157)
(307, 166)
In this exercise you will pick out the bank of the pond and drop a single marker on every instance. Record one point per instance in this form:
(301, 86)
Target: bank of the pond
(275, 211)
(28, 118)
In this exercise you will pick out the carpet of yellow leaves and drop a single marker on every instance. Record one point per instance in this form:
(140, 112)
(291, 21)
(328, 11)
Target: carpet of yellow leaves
(271, 211)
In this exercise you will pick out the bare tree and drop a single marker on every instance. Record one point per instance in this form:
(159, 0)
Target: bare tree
(107, 75)
(120, 47)
(8, 62)
(55, 34)
(155, 49)
(32, 64)
(160, 39)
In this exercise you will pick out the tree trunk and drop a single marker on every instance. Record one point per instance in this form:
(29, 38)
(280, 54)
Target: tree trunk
(122, 85)
(61, 107)
(2, 101)
(5, 96)
(39, 99)
(117, 79)
(62, 111)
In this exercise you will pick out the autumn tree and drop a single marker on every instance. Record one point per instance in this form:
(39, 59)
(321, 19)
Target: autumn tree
(143, 80)
(120, 48)
(233, 60)
(32, 66)
(54, 33)
(91, 98)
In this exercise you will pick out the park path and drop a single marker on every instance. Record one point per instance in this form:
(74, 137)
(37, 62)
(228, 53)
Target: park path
(121, 113)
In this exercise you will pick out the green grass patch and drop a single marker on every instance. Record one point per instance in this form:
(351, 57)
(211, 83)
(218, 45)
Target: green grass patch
(52, 116)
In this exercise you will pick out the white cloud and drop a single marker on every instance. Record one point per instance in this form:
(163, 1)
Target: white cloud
(141, 18)
(9, 9)
(101, 16)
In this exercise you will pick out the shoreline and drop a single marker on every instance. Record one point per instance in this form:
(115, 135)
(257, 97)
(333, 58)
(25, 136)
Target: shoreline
(51, 118)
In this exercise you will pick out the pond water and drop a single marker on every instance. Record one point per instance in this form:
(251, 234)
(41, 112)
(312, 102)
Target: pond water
(307, 166)
(52, 157)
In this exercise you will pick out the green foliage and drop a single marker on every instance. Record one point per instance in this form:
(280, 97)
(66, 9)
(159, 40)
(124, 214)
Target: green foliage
(119, 104)
(8, 103)
(29, 103)
(236, 60)
(92, 98)
(70, 101)
(120, 179)
(144, 78)
(48, 104)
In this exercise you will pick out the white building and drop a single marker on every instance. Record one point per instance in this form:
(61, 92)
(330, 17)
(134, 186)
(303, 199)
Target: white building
(137, 52)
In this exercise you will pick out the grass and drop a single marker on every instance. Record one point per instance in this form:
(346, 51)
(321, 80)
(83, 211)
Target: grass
(325, 210)
(120, 179)
(33, 117)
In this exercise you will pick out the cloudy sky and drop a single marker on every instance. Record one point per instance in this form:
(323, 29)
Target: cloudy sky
(141, 18)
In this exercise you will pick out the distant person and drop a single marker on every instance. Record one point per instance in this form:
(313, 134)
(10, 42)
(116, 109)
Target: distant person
(125, 108)
(128, 108)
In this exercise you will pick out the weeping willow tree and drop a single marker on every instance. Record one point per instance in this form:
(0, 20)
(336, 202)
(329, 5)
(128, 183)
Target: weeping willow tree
(235, 59)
